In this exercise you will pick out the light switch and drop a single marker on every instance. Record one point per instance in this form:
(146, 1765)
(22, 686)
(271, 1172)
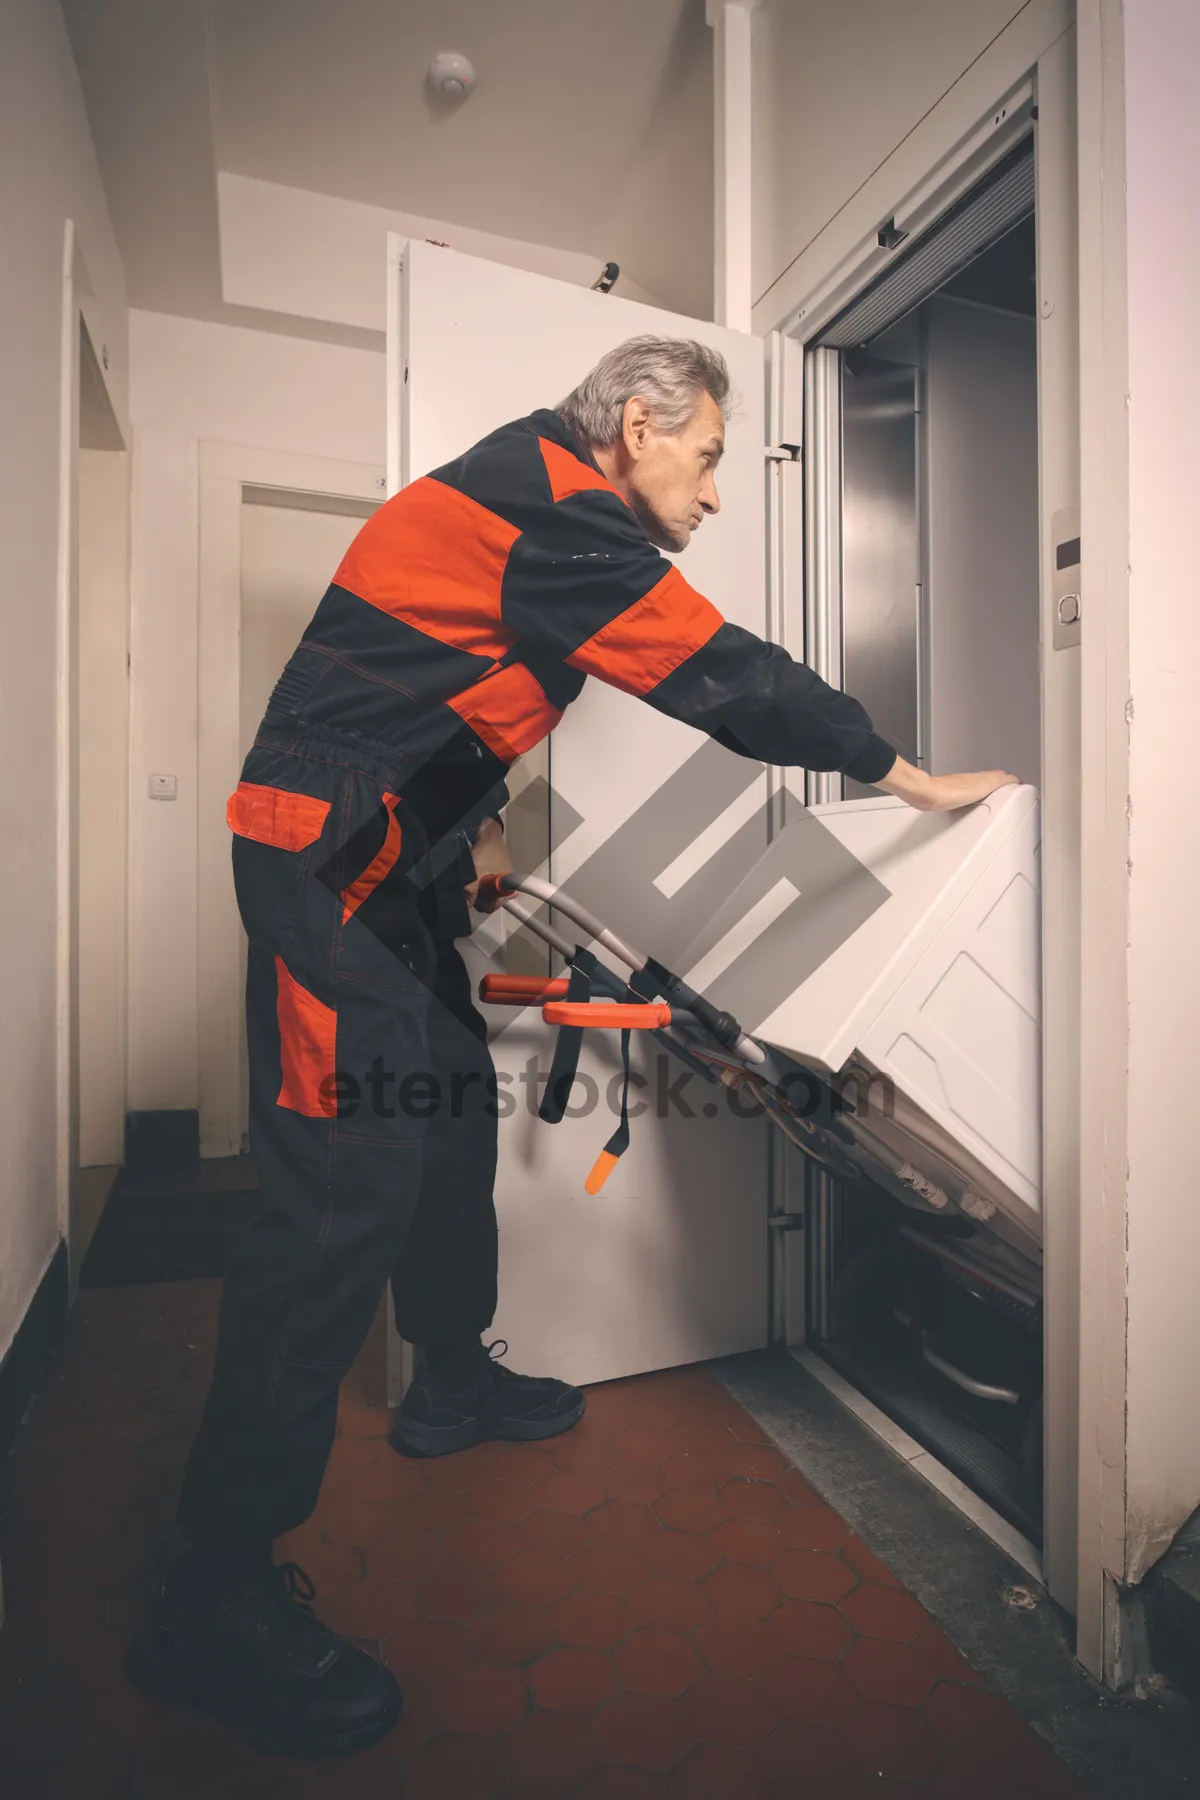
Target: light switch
(163, 787)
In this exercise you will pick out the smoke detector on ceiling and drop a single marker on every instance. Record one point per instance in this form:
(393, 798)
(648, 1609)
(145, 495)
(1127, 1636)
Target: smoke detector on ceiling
(451, 75)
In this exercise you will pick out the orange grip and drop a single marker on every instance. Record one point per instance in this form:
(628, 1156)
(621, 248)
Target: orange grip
(510, 988)
(602, 1013)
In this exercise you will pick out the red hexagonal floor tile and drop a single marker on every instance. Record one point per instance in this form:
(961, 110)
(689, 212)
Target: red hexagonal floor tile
(550, 1753)
(715, 1772)
(608, 1568)
(485, 1542)
(809, 1628)
(582, 1453)
(647, 1730)
(404, 1556)
(737, 1591)
(812, 1575)
(731, 1710)
(753, 1499)
(640, 1445)
(485, 1698)
(499, 1497)
(1028, 1771)
(369, 1609)
(573, 1681)
(657, 1662)
(941, 1653)
(568, 1492)
(808, 1692)
(747, 1541)
(455, 1594)
(683, 1554)
(737, 1647)
(812, 1528)
(593, 1621)
(809, 1761)
(688, 1470)
(470, 1768)
(974, 1720)
(357, 1522)
(666, 1604)
(527, 1463)
(554, 1534)
(866, 1564)
(428, 1650)
(617, 1781)
(883, 1670)
(531, 1579)
(512, 1634)
(642, 1482)
(622, 1522)
(691, 1509)
(885, 1613)
(895, 1742)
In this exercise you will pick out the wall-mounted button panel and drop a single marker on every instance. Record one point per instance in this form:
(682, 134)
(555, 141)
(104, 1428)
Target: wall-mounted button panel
(1065, 573)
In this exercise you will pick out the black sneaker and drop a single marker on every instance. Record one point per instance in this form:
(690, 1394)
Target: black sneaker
(258, 1657)
(480, 1400)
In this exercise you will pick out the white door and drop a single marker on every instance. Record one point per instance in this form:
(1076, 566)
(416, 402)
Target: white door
(291, 545)
(668, 1263)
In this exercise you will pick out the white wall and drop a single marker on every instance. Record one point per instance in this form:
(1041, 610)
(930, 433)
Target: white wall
(1162, 123)
(836, 89)
(193, 382)
(47, 174)
(316, 257)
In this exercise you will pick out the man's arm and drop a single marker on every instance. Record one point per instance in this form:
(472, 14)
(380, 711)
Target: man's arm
(593, 591)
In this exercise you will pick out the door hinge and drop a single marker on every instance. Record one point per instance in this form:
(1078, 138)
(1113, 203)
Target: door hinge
(782, 452)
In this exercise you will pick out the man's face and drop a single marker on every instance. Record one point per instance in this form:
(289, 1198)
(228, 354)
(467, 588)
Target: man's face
(672, 478)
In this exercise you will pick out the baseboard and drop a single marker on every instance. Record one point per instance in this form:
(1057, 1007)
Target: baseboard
(41, 1332)
(164, 1138)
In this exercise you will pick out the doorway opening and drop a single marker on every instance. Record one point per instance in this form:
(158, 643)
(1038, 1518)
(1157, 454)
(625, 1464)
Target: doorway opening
(935, 1317)
(97, 782)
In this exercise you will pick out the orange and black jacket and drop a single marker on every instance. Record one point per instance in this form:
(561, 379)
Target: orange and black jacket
(470, 609)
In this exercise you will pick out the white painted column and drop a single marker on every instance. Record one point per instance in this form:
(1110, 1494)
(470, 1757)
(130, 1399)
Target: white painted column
(1140, 395)
(733, 98)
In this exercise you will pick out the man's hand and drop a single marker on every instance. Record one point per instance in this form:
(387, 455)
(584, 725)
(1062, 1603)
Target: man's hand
(490, 855)
(941, 793)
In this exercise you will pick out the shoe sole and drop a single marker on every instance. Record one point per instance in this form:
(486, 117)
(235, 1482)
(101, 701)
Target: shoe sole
(408, 1439)
(160, 1674)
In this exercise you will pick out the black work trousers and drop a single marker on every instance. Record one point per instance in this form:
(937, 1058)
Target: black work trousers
(372, 1125)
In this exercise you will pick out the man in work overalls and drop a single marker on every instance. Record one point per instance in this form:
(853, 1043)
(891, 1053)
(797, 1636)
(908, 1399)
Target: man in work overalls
(465, 617)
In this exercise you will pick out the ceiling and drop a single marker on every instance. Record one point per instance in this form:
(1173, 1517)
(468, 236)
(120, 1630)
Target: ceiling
(590, 128)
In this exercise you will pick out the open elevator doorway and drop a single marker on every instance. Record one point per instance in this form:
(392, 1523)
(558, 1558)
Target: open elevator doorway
(937, 633)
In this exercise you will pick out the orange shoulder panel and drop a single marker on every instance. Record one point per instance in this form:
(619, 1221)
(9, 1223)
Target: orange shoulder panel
(642, 645)
(567, 474)
(435, 558)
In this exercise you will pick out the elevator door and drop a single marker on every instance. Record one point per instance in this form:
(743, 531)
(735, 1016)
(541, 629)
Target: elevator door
(881, 552)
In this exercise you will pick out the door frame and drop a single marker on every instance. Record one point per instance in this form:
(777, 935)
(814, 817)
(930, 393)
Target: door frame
(977, 124)
(82, 320)
(311, 483)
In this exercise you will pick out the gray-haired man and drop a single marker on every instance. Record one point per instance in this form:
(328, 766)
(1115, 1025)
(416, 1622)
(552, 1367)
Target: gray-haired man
(465, 617)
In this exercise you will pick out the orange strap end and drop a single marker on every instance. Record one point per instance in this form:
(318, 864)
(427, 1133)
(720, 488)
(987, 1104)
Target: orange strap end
(610, 1014)
(602, 1168)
